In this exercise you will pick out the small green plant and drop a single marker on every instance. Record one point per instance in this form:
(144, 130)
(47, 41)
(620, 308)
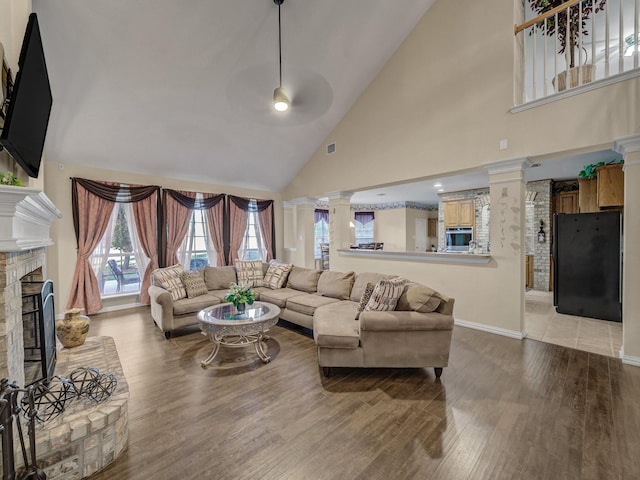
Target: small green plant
(7, 178)
(590, 171)
(238, 294)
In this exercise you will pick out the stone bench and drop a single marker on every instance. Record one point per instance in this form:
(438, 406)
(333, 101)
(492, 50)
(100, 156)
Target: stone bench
(87, 436)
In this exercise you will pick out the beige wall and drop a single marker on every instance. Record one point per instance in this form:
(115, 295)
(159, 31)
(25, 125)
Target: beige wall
(61, 257)
(412, 215)
(391, 229)
(441, 104)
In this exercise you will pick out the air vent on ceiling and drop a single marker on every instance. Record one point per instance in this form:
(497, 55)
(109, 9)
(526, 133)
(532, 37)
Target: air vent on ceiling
(331, 148)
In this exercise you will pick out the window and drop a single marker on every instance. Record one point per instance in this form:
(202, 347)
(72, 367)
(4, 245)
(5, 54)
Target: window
(197, 251)
(118, 260)
(364, 227)
(252, 245)
(321, 230)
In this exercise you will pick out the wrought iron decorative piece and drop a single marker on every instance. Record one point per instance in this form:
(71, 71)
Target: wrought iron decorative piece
(102, 387)
(83, 379)
(50, 401)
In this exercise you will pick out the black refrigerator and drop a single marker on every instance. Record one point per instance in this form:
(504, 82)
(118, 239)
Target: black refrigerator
(587, 257)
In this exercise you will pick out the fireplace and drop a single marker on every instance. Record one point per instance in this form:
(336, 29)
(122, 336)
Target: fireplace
(38, 327)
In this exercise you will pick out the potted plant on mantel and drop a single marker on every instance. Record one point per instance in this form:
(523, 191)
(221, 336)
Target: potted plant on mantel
(569, 36)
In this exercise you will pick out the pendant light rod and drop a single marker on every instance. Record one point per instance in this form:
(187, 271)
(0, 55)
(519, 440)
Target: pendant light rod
(279, 40)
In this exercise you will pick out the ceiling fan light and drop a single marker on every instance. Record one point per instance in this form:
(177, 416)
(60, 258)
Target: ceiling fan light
(280, 100)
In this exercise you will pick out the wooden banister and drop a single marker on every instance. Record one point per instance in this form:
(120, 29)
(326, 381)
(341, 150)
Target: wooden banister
(550, 13)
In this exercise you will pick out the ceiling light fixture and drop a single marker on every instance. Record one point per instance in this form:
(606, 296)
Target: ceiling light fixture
(437, 185)
(280, 98)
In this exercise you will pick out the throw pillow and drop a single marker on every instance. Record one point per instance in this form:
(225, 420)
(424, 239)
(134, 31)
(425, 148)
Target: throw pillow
(250, 273)
(169, 279)
(194, 283)
(303, 279)
(386, 294)
(423, 299)
(336, 284)
(276, 274)
(366, 295)
(219, 278)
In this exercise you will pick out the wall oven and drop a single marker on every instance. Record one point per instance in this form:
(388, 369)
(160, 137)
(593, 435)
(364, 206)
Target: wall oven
(458, 238)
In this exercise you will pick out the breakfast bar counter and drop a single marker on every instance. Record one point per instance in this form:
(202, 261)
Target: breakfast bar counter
(430, 257)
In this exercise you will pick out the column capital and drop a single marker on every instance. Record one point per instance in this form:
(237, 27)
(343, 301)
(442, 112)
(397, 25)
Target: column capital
(339, 195)
(300, 201)
(628, 144)
(508, 166)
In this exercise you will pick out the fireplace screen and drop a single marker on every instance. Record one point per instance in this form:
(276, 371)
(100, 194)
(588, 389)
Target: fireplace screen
(38, 316)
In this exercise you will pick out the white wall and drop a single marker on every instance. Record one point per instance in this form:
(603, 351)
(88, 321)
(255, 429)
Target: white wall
(391, 228)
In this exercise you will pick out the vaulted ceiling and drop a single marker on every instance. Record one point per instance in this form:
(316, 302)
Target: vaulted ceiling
(184, 89)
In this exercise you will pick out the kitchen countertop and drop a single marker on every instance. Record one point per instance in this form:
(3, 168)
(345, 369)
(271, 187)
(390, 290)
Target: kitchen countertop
(445, 257)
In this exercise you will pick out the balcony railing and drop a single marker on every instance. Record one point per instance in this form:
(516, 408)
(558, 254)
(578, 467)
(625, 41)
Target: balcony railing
(576, 43)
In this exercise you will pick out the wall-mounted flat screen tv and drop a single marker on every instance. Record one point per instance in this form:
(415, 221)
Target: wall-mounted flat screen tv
(27, 117)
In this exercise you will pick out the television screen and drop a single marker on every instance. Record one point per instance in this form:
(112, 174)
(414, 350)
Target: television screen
(27, 117)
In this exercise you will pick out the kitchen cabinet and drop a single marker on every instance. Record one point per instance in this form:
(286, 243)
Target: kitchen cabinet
(460, 213)
(529, 271)
(610, 186)
(566, 202)
(588, 195)
(432, 227)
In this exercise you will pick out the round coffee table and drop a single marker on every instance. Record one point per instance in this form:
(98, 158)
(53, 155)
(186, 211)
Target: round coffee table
(224, 325)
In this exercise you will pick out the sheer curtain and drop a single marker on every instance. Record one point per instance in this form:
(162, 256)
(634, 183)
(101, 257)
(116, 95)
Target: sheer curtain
(100, 255)
(142, 261)
(212, 253)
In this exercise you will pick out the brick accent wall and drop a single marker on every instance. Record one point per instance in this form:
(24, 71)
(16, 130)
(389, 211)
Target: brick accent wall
(539, 209)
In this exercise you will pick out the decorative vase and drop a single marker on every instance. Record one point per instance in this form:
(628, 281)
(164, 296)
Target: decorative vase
(241, 307)
(72, 330)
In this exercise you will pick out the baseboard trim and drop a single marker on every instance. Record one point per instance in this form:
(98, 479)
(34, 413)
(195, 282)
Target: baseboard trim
(117, 308)
(629, 360)
(489, 329)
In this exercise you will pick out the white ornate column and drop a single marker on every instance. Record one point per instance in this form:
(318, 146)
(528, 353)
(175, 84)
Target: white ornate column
(629, 148)
(302, 253)
(340, 235)
(507, 192)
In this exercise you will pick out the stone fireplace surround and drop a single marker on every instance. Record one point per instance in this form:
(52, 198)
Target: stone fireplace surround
(85, 438)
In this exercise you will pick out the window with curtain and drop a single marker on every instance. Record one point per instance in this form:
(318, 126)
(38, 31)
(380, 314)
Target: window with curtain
(321, 229)
(119, 261)
(252, 245)
(197, 250)
(364, 222)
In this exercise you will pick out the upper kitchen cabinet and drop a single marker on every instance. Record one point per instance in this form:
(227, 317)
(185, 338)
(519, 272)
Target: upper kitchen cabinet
(610, 186)
(566, 202)
(460, 213)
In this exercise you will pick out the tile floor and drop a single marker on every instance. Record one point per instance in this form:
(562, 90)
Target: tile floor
(544, 324)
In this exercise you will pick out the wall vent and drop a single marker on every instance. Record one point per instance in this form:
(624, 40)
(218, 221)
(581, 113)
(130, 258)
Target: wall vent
(331, 148)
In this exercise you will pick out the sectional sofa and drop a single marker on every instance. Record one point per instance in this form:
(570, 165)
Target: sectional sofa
(417, 333)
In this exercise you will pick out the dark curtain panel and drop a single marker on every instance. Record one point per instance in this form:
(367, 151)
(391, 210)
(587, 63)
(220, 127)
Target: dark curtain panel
(261, 206)
(208, 201)
(364, 217)
(319, 215)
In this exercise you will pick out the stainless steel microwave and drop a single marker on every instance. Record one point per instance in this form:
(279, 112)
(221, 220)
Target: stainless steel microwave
(458, 238)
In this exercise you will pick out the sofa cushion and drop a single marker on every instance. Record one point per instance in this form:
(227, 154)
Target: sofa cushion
(418, 298)
(193, 305)
(334, 326)
(307, 303)
(386, 294)
(303, 279)
(277, 274)
(249, 273)
(169, 279)
(360, 283)
(336, 284)
(279, 297)
(217, 278)
(194, 283)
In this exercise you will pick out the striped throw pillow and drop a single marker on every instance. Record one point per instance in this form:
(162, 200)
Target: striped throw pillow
(169, 279)
(276, 274)
(386, 294)
(249, 273)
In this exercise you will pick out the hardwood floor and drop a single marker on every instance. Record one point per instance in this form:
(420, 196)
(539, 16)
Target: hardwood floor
(504, 409)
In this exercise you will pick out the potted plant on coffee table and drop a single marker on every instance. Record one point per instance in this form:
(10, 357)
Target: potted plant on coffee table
(240, 295)
(568, 31)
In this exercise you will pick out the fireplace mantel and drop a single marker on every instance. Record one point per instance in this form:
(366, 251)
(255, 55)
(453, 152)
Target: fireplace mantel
(25, 217)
